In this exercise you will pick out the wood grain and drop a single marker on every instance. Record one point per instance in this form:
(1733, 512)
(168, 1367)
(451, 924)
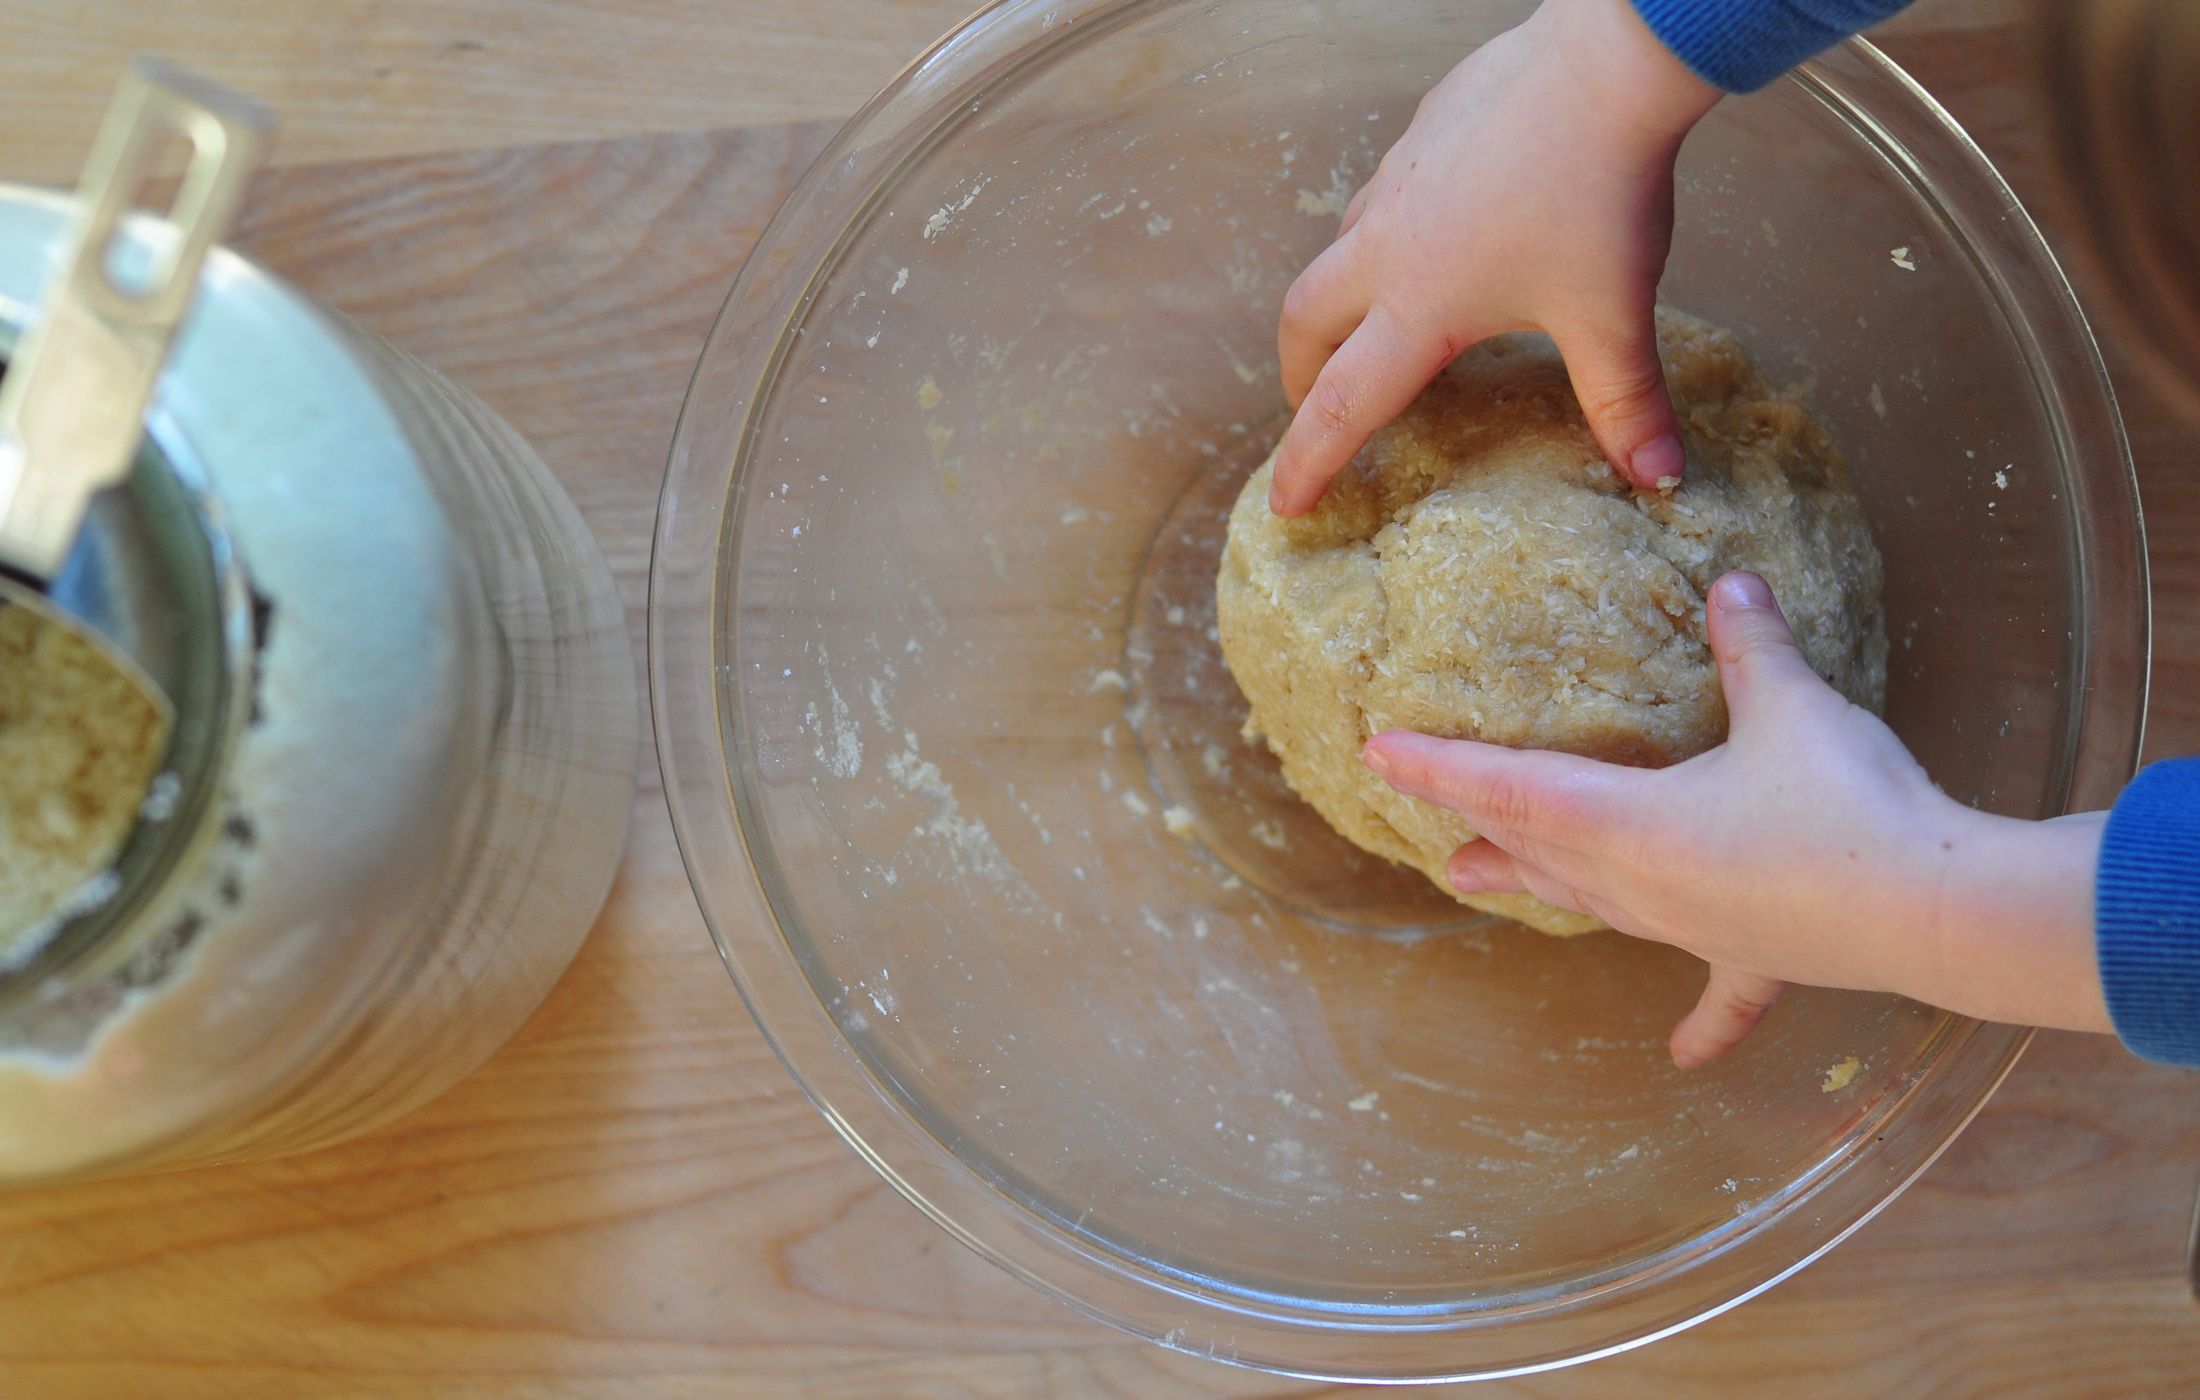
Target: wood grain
(633, 1199)
(368, 78)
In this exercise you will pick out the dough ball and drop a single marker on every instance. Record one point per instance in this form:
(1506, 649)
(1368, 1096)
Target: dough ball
(1480, 572)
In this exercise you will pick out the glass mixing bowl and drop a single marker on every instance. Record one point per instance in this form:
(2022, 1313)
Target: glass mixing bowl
(956, 770)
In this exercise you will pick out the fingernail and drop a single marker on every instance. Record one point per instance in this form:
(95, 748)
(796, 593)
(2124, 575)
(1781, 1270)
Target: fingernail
(1741, 592)
(1376, 759)
(1659, 464)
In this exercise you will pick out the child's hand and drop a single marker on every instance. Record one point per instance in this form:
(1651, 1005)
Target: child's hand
(1810, 847)
(1533, 191)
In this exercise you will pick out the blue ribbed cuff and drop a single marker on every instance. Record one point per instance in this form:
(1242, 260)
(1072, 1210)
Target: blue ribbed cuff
(2146, 913)
(1740, 45)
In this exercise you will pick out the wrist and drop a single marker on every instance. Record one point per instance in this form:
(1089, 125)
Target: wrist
(1625, 71)
(2012, 929)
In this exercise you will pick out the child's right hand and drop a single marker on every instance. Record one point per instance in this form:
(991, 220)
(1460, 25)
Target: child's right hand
(1809, 847)
(1533, 191)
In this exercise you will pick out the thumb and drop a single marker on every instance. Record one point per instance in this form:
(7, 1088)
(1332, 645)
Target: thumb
(1732, 1004)
(1621, 385)
(1755, 649)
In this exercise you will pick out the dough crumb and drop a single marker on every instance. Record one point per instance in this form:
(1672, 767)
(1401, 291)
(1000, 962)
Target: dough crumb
(1841, 1075)
(1902, 259)
(1327, 203)
(1178, 821)
(1365, 1103)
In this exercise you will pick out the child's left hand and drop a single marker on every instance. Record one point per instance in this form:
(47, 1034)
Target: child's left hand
(1533, 191)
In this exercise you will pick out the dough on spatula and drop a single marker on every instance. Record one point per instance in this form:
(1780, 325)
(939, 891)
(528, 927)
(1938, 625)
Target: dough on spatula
(1480, 572)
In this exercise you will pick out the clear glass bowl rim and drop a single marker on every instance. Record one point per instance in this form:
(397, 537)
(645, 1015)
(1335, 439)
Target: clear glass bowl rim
(712, 812)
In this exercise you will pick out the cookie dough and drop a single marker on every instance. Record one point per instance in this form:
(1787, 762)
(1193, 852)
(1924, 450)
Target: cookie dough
(1480, 572)
(79, 744)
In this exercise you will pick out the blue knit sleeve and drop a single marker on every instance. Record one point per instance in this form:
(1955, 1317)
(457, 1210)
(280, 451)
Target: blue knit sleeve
(1740, 45)
(2146, 913)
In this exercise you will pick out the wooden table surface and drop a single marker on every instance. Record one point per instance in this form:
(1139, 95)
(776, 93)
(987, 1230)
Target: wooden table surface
(547, 199)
